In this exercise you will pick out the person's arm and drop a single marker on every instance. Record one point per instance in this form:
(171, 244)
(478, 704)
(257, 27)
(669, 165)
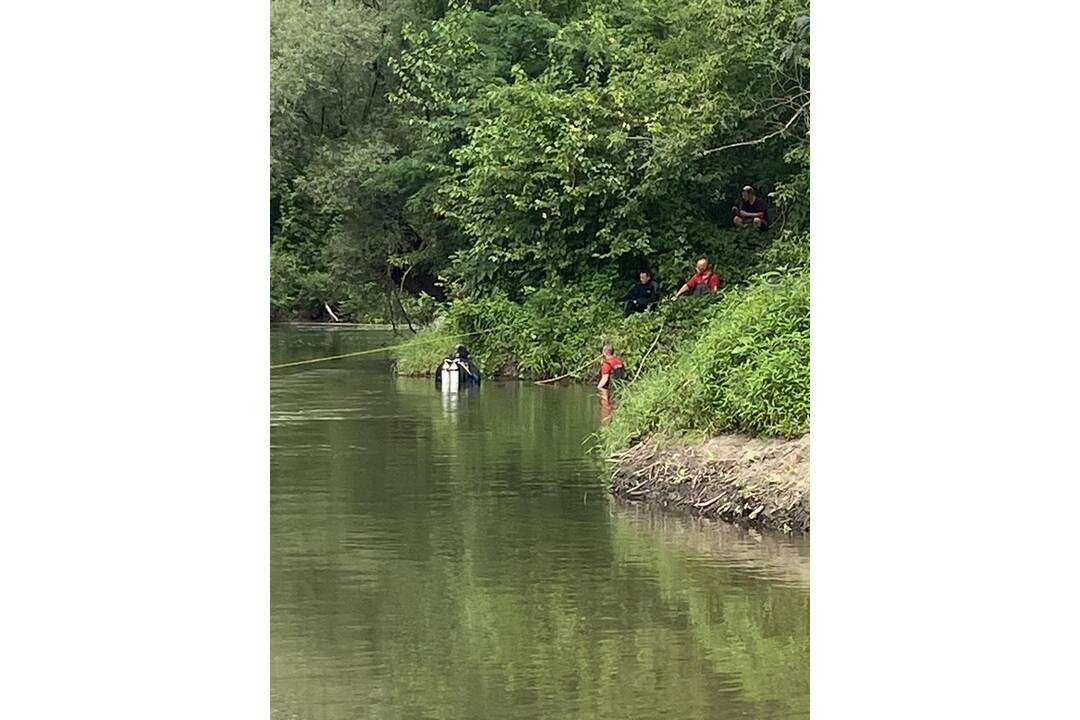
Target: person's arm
(687, 286)
(755, 214)
(604, 372)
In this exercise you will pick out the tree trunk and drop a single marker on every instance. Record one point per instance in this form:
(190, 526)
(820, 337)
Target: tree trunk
(405, 314)
(390, 310)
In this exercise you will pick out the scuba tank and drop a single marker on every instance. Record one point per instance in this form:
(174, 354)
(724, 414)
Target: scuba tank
(450, 376)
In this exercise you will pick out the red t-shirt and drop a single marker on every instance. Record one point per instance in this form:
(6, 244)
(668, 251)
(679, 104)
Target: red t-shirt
(610, 364)
(708, 276)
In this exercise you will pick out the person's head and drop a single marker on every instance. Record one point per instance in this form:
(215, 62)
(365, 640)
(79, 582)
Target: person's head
(644, 276)
(748, 194)
(702, 264)
(607, 350)
(461, 352)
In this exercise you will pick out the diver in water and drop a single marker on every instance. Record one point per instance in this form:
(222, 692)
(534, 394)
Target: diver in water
(457, 370)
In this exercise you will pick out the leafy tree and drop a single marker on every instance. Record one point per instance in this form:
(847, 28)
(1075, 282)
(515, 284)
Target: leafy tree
(525, 143)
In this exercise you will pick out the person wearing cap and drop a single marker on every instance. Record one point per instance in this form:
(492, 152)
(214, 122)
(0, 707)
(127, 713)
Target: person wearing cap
(702, 282)
(750, 210)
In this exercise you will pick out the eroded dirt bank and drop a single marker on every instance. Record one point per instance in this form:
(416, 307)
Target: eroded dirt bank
(750, 480)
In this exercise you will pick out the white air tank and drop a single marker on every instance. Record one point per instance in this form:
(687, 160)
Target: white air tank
(450, 376)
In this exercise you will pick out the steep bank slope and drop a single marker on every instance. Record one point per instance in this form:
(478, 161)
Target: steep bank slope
(753, 480)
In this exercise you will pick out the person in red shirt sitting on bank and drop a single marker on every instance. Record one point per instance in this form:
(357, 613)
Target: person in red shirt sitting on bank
(702, 282)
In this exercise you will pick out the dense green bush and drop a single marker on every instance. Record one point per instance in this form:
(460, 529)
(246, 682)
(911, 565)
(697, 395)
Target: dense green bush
(284, 279)
(296, 293)
(747, 370)
(299, 293)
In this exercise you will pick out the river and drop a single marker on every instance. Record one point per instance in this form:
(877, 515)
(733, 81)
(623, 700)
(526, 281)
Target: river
(458, 557)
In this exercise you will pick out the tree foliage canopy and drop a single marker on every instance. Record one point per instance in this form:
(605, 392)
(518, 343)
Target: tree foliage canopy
(466, 147)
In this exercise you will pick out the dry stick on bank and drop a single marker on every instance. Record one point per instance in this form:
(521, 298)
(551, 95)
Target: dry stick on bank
(332, 315)
(703, 505)
(645, 357)
(571, 373)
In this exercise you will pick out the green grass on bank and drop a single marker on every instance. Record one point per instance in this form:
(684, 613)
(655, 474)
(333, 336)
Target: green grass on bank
(423, 351)
(735, 361)
(747, 370)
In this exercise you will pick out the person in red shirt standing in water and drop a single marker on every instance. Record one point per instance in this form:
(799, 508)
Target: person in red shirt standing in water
(702, 282)
(611, 371)
(611, 368)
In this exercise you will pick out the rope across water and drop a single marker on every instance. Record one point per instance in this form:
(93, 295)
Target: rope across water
(372, 351)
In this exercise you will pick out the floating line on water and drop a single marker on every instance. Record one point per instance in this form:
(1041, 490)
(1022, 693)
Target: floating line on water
(378, 349)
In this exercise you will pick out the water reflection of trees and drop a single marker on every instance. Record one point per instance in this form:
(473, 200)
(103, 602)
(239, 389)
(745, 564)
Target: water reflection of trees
(460, 571)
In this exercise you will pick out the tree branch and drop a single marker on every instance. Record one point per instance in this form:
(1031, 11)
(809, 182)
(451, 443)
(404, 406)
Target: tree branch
(760, 139)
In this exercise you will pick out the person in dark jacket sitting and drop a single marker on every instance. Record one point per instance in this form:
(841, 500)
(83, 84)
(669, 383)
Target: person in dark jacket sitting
(643, 296)
(462, 367)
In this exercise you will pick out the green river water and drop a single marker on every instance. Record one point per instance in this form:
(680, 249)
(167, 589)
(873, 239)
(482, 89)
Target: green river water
(458, 557)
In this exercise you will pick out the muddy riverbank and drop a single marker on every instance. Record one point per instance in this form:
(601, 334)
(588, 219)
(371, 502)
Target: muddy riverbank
(754, 481)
